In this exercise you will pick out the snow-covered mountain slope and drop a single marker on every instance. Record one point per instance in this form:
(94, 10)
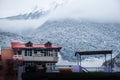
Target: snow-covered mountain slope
(77, 35)
(6, 38)
(89, 62)
(72, 35)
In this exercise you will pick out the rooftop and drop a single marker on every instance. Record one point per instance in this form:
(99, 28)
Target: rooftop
(93, 52)
(32, 45)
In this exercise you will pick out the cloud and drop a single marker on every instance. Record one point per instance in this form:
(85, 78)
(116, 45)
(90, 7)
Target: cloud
(18, 26)
(15, 7)
(103, 10)
(97, 10)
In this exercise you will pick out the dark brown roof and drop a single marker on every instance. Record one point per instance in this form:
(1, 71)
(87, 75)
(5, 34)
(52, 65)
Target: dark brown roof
(93, 52)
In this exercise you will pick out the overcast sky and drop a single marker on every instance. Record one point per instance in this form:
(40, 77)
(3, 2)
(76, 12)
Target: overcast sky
(14, 7)
(97, 10)
(104, 10)
(92, 9)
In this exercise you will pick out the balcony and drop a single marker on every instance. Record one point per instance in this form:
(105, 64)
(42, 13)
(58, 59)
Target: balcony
(17, 57)
(40, 58)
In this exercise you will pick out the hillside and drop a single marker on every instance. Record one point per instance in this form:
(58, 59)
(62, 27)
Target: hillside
(78, 35)
(72, 35)
(6, 38)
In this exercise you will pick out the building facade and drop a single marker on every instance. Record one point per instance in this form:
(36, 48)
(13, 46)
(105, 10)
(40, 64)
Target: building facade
(30, 54)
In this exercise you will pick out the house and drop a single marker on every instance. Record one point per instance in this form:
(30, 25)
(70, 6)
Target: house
(29, 54)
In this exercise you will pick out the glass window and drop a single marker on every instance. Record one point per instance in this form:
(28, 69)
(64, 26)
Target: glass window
(16, 64)
(25, 54)
(44, 54)
(35, 51)
(15, 53)
(30, 54)
(19, 52)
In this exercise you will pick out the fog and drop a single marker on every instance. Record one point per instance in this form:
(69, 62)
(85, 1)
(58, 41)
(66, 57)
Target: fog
(18, 26)
(15, 7)
(101, 10)
(96, 10)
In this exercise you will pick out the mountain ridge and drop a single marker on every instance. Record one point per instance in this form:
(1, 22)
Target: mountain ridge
(30, 15)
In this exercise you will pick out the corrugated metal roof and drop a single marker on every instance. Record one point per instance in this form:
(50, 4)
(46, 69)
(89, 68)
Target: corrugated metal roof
(93, 52)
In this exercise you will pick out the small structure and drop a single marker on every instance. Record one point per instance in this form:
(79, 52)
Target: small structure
(104, 52)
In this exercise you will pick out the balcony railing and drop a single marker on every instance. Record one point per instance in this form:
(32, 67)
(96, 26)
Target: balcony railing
(40, 58)
(17, 57)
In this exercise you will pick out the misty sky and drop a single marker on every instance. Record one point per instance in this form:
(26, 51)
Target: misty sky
(97, 10)
(14, 7)
(93, 9)
(104, 10)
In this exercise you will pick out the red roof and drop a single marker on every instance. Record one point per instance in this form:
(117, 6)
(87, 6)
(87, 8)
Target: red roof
(23, 45)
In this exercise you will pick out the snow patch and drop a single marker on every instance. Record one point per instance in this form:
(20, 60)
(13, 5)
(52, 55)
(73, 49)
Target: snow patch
(89, 62)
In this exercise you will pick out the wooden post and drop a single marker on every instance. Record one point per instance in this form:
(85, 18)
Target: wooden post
(105, 61)
(77, 59)
(80, 64)
(80, 60)
(111, 62)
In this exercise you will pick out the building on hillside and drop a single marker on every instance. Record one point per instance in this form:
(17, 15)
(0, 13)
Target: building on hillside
(28, 54)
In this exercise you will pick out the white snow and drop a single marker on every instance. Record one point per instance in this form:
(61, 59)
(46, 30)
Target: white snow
(116, 68)
(89, 62)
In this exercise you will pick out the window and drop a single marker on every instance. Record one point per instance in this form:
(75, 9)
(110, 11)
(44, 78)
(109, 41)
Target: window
(28, 63)
(41, 51)
(48, 64)
(48, 52)
(28, 52)
(16, 53)
(51, 54)
(35, 51)
(16, 65)
(19, 52)
(44, 54)
(56, 55)
(25, 52)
